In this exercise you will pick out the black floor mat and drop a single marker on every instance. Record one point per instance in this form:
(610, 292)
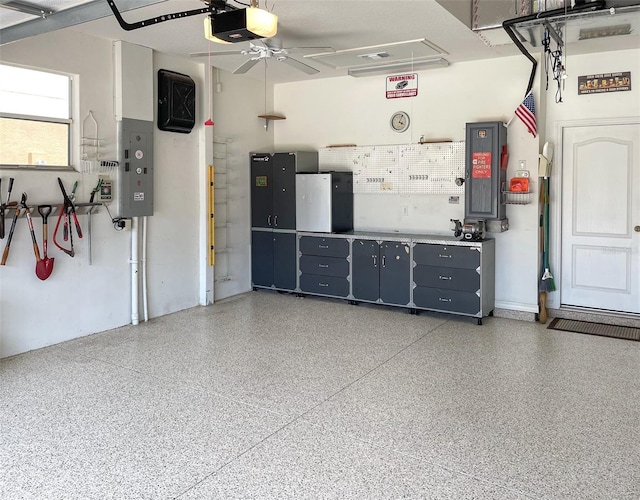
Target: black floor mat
(619, 332)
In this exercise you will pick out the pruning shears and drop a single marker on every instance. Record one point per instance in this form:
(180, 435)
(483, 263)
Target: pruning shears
(68, 212)
(4, 206)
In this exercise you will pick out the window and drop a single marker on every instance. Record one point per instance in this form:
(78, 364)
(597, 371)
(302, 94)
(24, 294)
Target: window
(35, 118)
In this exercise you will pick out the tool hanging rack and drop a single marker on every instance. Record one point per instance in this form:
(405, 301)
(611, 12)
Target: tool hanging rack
(545, 19)
(81, 209)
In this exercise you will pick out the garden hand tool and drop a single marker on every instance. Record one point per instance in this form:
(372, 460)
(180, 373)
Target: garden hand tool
(67, 212)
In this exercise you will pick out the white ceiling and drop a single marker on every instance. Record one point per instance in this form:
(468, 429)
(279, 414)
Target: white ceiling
(340, 24)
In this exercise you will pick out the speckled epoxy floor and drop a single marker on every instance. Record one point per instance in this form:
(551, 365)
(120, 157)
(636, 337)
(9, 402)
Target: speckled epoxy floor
(267, 395)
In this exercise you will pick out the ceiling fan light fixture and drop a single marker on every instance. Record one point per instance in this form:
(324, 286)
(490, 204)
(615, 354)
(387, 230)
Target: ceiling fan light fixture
(398, 67)
(261, 22)
(241, 25)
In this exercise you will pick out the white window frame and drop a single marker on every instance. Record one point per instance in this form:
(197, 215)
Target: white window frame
(69, 122)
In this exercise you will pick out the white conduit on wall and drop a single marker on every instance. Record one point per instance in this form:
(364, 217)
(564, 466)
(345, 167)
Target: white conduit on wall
(136, 261)
(145, 307)
(134, 271)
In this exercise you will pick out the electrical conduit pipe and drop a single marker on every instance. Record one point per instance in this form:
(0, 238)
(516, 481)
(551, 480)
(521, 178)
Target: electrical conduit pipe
(145, 306)
(134, 272)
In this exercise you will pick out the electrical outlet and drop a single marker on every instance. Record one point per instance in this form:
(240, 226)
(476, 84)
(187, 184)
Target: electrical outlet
(405, 210)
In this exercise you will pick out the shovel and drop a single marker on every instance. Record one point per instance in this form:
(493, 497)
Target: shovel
(41, 271)
(44, 211)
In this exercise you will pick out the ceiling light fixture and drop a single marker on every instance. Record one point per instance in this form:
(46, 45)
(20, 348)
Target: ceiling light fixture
(399, 67)
(240, 25)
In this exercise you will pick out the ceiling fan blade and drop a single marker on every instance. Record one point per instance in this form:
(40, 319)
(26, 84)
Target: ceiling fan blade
(219, 53)
(246, 66)
(300, 65)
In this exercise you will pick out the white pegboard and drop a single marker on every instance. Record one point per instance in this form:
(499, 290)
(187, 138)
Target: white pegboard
(399, 169)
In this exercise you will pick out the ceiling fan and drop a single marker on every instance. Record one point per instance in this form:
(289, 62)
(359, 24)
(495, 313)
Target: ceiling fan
(271, 48)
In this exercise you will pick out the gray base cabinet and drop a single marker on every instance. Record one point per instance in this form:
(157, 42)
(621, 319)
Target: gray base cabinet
(431, 273)
(273, 260)
(455, 278)
(381, 271)
(323, 266)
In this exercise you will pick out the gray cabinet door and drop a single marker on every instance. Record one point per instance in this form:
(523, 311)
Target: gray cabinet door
(284, 260)
(365, 277)
(284, 191)
(324, 285)
(325, 266)
(328, 247)
(395, 272)
(261, 190)
(262, 258)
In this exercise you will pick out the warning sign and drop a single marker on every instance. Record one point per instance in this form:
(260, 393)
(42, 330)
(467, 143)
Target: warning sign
(402, 86)
(481, 165)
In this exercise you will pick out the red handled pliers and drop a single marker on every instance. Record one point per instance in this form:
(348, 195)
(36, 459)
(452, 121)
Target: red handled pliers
(68, 211)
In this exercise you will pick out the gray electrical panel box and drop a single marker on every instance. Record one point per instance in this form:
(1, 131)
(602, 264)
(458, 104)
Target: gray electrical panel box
(135, 156)
(486, 170)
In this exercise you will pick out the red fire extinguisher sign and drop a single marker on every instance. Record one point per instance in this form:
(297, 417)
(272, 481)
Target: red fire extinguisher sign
(481, 165)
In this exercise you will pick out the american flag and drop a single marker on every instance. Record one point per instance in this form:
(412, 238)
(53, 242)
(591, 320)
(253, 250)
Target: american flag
(527, 113)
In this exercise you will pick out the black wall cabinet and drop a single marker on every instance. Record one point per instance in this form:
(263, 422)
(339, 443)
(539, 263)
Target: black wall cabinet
(273, 216)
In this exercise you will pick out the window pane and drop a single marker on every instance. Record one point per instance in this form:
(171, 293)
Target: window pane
(28, 142)
(29, 92)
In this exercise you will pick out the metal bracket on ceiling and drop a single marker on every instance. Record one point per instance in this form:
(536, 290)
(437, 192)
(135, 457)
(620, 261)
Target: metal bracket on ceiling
(26, 8)
(554, 34)
(544, 18)
(213, 7)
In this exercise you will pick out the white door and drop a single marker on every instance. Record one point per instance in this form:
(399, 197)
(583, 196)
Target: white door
(601, 217)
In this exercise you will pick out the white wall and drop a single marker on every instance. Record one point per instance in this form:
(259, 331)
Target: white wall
(235, 113)
(79, 299)
(355, 110)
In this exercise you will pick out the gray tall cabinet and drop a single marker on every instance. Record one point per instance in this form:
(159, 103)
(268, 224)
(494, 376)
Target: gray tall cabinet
(273, 216)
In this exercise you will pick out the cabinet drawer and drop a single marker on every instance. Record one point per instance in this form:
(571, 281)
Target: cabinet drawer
(326, 266)
(446, 300)
(450, 278)
(325, 285)
(446, 256)
(328, 247)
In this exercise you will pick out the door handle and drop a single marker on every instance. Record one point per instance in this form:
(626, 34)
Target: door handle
(384, 260)
(375, 261)
(445, 277)
(637, 229)
(269, 221)
(323, 265)
(275, 220)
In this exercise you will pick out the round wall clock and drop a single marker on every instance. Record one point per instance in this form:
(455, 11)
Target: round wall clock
(399, 121)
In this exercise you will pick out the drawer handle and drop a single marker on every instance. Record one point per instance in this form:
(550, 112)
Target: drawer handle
(445, 277)
(444, 300)
(323, 265)
(323, 246)
(442, 256)
(323, 284)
